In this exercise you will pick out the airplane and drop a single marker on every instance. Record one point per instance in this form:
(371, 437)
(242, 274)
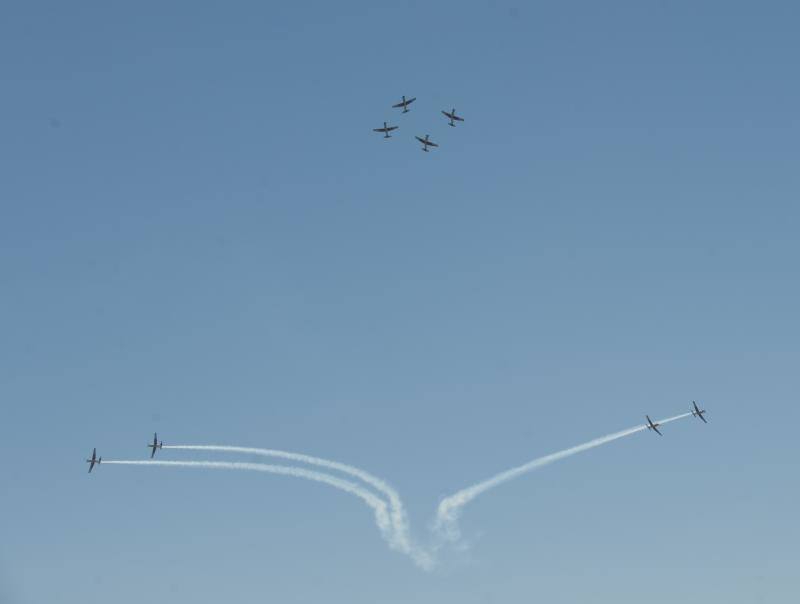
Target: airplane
(697, 412)
(94, 460)
(652, 426)
(404, 104)
(452, 115)
(386, 130)
(426, 142)
(156, 445)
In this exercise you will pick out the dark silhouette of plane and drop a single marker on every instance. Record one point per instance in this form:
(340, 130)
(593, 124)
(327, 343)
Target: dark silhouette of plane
(652, 426)
(94, 460)
(697, 412)
(404, 104)
(426, 142)
(386, 130)
(156, 445)
(452, 115)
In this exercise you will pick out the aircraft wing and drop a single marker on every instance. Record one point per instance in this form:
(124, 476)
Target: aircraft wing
(380, 129)
(657, 431)
(448, 115)
(422, 140)
(401, 104)
(700, 415)
(153, 453)
(390, 128)
(430, 144)
(458, 119)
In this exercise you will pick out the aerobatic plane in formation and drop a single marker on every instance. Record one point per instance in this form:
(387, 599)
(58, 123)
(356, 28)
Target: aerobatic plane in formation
(95, 460)
(452, 115)
(652, 426)
(697, 412)
(426, 142)
(385, 130)
(404, 104)
(156, 445)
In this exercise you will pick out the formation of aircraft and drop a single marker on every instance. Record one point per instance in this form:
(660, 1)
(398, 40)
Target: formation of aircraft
(95, 460)
(426, 142)
(156, 445)
(696, 412)
(404, 104)
(453, 117)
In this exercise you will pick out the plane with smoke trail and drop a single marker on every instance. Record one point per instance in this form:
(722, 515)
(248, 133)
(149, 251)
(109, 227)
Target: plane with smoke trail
(401, 534)
(449, 510)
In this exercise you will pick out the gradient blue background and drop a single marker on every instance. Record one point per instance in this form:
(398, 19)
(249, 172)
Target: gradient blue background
(201, 235)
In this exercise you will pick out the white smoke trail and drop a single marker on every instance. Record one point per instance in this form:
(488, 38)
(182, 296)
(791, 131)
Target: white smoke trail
(449, 509)
(393, 526)
(401, 539)
(377, 504)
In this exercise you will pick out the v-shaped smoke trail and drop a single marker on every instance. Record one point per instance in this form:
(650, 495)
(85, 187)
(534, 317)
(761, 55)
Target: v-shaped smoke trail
(390, 517)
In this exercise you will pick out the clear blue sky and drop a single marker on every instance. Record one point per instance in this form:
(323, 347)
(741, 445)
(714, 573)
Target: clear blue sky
(200, 234)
